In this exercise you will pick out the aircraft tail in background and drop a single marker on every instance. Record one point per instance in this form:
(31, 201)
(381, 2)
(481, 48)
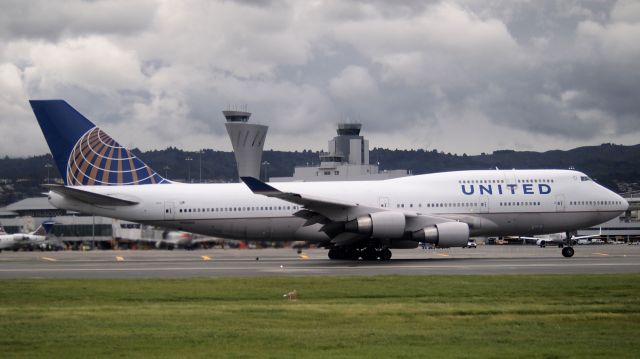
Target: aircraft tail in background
(44, 229)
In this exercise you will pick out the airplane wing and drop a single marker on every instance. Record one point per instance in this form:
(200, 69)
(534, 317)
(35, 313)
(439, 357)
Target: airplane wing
(537, 239)
(89, 197)
(317, 210)
(331, 212)
(589, 236)
(259, 187)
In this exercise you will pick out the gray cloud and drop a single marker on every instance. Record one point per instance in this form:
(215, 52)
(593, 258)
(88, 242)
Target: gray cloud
(461, 76)
(50, 20)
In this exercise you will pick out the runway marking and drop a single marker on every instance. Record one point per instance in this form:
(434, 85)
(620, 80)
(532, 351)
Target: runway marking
(119, 259)
(442, 254)
(48, 259)
(294, 269)
(303, 256)
(601, 254)
(205, 258)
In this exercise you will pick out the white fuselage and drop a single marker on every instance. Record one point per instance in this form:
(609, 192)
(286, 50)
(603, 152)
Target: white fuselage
(493, 203)
(19, 240)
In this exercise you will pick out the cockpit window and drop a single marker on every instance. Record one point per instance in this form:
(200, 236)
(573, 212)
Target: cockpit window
(584, 178)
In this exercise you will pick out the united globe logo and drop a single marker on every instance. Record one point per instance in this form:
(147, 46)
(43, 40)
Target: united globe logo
(97, 159)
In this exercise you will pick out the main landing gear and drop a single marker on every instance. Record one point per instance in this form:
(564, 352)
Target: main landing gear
(568, 251)
(353, 253)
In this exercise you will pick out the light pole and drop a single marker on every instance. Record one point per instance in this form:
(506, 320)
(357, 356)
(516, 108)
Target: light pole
(266, 164)
(200, 165)
(188, 159)
(48, 167)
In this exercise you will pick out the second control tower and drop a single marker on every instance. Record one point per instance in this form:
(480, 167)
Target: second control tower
(247, 140)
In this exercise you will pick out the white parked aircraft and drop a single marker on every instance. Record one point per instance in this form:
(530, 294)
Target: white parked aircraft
(32, 240)
(558, 239)
(353, 219)
(178, 239)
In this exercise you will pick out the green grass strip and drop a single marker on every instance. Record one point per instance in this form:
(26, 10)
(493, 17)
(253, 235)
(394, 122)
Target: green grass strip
(513, 316)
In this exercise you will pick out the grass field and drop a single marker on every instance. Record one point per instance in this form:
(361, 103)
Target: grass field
(579, 316)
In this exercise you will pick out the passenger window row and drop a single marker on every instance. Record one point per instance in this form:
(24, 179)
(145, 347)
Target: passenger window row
(587, 203)
(480, 181)
(440, 205)
(238, 209)
(535, 181)
(502, 181)
(524, 203)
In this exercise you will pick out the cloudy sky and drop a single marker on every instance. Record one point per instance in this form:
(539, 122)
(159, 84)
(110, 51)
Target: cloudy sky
(459, 76)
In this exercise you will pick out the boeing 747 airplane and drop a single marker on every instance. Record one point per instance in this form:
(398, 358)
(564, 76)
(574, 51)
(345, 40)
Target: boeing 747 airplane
(353, 219)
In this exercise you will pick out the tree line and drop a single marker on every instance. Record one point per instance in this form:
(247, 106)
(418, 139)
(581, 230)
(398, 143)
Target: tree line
(614, 166)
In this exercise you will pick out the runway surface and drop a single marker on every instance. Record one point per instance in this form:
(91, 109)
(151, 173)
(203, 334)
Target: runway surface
(283, 262)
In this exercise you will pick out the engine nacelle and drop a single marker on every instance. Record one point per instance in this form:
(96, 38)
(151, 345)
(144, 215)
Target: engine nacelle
(378, 225)
(447, 234)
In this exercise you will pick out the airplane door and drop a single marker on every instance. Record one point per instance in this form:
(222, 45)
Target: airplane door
(483, 203)
(169, 210)
(383, 202)
(560, 203)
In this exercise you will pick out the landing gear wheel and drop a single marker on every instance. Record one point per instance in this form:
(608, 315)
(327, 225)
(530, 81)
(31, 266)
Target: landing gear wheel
(567, 252)
(344, 253)
(385, 254)
(369, 254)
(352, 253)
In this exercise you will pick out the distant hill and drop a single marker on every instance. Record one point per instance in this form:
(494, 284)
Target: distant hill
(616, 167)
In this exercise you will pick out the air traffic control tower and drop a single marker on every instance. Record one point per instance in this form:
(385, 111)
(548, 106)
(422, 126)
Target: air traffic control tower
(247, 140)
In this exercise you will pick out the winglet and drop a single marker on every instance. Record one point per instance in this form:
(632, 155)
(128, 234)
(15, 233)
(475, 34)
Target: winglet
(257, 186)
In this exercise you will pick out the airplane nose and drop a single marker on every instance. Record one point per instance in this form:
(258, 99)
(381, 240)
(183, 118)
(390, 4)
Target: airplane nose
(625, 204)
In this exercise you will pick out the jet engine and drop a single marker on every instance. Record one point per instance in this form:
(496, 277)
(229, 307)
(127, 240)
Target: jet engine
(378, 225)
(447, 234)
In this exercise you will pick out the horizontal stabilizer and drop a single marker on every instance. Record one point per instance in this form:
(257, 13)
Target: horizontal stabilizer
(89, 197)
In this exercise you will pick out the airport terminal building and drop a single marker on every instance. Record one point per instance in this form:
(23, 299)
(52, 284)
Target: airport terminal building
(625, 228)
(76, 229)
(346, 160)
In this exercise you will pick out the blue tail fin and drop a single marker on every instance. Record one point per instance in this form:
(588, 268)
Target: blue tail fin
(84, 154)
(44, 229)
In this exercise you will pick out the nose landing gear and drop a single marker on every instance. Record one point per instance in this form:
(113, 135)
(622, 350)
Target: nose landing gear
(568, 251)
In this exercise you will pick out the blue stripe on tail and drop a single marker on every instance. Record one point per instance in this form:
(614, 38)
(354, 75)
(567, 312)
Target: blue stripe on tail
(86, 155)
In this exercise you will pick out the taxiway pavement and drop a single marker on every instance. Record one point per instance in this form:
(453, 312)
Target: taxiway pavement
(264, 262)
